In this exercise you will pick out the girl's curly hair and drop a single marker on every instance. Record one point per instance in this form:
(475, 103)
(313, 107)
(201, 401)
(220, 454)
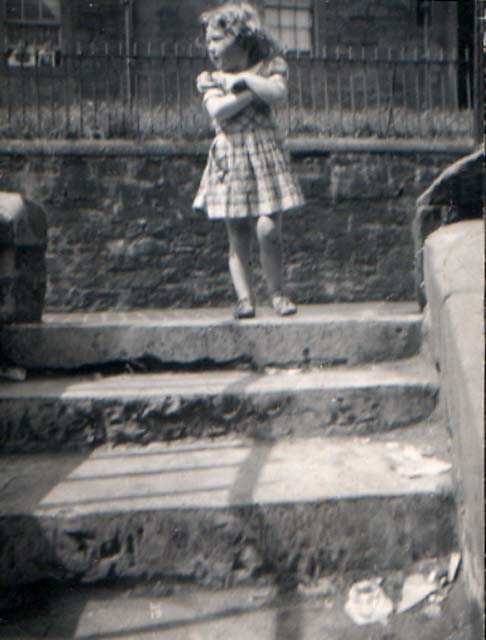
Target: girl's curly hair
(242, 20)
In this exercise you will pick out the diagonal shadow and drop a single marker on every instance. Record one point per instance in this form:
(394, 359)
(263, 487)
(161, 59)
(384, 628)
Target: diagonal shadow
(242, 492)
(29, 568)
(288, 621)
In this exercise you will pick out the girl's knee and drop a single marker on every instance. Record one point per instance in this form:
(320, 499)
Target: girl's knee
(239, 235)
(268, 229)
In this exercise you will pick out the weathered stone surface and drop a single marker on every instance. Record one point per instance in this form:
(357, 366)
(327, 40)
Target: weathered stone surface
(427, 219)
(220, 513)
(73, 412)
(318, 335)
(30, 284)
(457, 194)
(115, 218)
(7, 299)
(23, 241)
(22, 223)
(460, 186)
(454, 272)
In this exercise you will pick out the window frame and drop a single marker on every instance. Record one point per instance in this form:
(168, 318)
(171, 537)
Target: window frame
(295, 5)
(44, 22)
(33, 44)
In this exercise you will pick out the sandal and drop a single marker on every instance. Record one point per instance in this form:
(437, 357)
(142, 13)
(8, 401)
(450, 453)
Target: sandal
(244, 309)
(283, 306)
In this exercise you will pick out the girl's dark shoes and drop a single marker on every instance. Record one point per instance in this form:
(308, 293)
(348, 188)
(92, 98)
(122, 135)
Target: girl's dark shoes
(244, 309)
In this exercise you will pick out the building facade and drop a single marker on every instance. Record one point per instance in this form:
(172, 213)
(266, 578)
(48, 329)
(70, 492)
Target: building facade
(304, 26)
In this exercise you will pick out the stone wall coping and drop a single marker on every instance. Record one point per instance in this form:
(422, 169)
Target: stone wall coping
(438, 193)
(455, 253)
(296, 146)
(454, 277)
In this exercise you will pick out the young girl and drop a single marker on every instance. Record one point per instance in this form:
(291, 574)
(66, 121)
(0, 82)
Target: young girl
(247, 176)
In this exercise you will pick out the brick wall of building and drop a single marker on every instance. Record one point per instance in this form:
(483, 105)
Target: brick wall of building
(374, 23)
(345, 23)
(122, 233)
(385, 23)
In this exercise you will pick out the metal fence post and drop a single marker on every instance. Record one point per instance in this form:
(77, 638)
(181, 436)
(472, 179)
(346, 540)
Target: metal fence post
(128, 51)
(479, 84)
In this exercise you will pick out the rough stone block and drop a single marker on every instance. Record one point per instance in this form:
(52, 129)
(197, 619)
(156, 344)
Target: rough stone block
(7, 262)
(7, 301)
(361, 181)
(22, 223)
(23, 241)
(456, 194)
(30, 285)
(77, 181)
(461, 184)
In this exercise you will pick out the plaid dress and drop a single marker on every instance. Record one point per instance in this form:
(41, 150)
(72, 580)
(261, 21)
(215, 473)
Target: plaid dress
(247, 172)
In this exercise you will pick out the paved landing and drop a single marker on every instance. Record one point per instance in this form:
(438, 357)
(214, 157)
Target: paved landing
(236, 614)
(307, 314)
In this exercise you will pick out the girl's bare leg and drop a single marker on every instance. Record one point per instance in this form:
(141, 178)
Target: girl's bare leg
(239, 235)
(269, 234)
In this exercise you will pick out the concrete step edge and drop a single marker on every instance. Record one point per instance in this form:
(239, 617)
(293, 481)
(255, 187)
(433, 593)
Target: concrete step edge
(74, 412)
(412, 372)
(325, 334)
(226, 506)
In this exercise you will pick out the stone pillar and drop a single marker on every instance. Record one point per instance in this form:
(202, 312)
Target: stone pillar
(23, 242)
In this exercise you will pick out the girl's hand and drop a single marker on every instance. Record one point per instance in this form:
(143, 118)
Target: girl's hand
(237, 82)
(232, 82)
(272, 89)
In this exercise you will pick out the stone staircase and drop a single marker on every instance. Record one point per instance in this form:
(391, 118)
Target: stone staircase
(189, 451)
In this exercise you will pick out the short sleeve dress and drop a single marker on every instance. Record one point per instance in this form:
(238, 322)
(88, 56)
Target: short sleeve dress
(247, 172)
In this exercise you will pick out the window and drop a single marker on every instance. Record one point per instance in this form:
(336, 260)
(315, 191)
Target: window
(290, 23)
(33, 29)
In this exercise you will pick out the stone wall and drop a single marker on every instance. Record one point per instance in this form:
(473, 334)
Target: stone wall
(122, 233)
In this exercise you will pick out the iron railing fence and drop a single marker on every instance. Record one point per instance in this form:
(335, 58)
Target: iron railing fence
(101, 92)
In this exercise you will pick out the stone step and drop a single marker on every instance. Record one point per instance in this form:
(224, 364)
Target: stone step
(156, 612)
(322, 334)
(52, 413)
(230, 511)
